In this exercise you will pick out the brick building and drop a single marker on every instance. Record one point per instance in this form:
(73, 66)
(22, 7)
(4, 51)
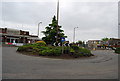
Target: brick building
(14, 36)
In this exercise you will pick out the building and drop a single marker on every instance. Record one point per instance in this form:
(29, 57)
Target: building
(14, 36)
(113, 42)
(33, 38)
(94, 43)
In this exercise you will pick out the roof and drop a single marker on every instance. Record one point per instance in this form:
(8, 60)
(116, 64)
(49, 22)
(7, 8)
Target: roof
(15, 35)
(35, 38)
(94, 40)
(33, 35)
(115, 39)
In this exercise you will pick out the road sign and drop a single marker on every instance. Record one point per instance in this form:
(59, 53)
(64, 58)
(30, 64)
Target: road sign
(62, 39)
(55, 44)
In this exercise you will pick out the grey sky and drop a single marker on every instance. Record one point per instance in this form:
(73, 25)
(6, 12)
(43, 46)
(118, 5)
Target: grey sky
(94, 19)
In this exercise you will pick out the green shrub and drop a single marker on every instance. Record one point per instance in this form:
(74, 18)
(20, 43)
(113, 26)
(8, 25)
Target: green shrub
(66, 50)
(80, 52)
(39, 49)
(75, 48)
(56, 51)
(84, 50)
(46, 52)
(117, 50)
(36, 50)
(24, 48)
(21, 48)
(72, 50)
(43, 48)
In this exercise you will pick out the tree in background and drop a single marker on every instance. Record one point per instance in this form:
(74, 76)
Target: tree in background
(50, 32)
(106, 42)
(105, 39)
(81, 43)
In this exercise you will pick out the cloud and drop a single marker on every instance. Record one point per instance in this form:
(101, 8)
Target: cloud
(27, 12)
(94, 19)
(101, 17)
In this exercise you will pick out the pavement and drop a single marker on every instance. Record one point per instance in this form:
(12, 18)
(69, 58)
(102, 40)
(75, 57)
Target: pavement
(104, 65)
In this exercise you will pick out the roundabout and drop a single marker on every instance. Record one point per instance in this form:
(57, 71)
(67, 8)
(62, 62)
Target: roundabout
(104, 65)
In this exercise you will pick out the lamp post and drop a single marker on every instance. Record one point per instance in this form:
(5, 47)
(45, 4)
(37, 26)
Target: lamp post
(74, 35)
(38, 27)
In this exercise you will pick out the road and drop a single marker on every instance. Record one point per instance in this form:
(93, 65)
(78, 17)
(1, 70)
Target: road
(104, 65)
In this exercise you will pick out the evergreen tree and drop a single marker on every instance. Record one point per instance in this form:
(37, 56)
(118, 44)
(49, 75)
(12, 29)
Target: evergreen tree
(51, 32)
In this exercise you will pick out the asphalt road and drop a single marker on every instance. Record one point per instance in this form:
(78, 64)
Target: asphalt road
(104, 65)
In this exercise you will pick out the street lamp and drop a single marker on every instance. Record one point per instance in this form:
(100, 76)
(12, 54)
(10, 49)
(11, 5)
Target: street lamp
(74, 35)
(38, 27)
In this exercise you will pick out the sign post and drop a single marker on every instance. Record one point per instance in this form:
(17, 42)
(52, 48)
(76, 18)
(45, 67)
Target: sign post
(62, 40)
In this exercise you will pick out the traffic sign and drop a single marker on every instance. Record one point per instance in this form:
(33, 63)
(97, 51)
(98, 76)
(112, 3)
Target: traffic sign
(62, 39)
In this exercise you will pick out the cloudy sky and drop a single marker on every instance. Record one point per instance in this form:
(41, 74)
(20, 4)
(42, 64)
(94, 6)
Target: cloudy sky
(95, 19)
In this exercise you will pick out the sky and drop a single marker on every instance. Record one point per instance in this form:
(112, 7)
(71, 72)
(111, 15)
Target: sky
(95, 19)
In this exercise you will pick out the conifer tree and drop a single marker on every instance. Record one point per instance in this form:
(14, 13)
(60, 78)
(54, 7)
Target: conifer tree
(50, 32)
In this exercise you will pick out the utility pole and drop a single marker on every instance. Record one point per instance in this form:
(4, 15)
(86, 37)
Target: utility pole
(57, 20)
(74, 35)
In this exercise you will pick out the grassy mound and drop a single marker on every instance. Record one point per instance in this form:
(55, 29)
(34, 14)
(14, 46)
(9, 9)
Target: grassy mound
(43, 50)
